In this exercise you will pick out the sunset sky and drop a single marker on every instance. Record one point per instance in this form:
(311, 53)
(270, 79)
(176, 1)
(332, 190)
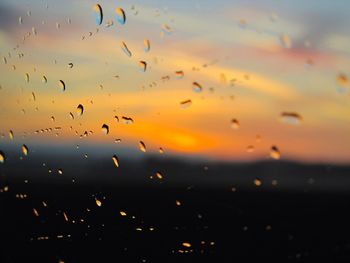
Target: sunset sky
(233, 49)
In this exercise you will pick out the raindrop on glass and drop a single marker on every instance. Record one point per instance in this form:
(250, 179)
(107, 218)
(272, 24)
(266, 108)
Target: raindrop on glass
(105, 129)
(98, 14)
(120, 15)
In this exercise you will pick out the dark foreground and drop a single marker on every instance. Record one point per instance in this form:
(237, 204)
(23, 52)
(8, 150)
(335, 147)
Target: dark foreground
(198, 212)
(220, 225)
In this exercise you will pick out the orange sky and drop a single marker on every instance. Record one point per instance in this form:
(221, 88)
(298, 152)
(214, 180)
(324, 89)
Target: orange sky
(245, 72)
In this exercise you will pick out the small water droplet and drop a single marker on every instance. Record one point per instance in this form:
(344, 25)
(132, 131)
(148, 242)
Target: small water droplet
(62, 85)
(70, 65)
(80, 110)
(11, 134)
(122, 213)
(159, 175)
(60, 171)
(196, 87)
(342, 80)
(125, 49)
(143, 65)
(285, 41)
(275, 153)
(257, 182)
(98, 13)
(52, 118)
(186, 244)
(20, 20)
(291, 118)
(71, 116)
(235, 124)
(179, 74)
(142, 146)
(127, 120)
(147, 45)
(25, 149)
(161, 151)
(186, 103)
(2, 157)
(120, 15)
(115, 160)
(26, 77)
(98, 202)
(105, 129)
(166, 29)
(250, 148)
(35, 212)
(44, 79)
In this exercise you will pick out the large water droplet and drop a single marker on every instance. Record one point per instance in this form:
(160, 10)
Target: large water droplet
(80, 110)
(147, 45)
(142, 146)
(143, 65)
(105, 129)
(2, 157)
(196, 87)
(275, 153)
(120, 15)
(115, 160)
(291, 118)
(25, 149)
(186, 103)
(62, 85)
(98, 13)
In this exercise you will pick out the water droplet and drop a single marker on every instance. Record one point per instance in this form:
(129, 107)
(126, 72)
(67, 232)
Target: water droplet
(196, 87)
(257, 182)
(159, 175)
(178, 203)
(35, 212)
(186, 244)
(275, 153)
(62, 85)
(285, 41)
(2, 157)
(161, 151)
(44, 79)
(20, 20)
(105, 129)
(52, 118)
(71, 116)
(11, 134)
(60, 171)
(147, 45)
(116, 118)
(70, 65)
(25, 149)
(291, 118)
(26, 77)
(127, 120)
(166, 29)
(115, 160)
(98, 202)
(143, 65)
(342, 80)
(98, 14)
(142, 146)
(125, 49)
(80, 110)
(120, 15)
(179, 74)
(186, 103)
(250, 148)
(122, 213)
(235, 124)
